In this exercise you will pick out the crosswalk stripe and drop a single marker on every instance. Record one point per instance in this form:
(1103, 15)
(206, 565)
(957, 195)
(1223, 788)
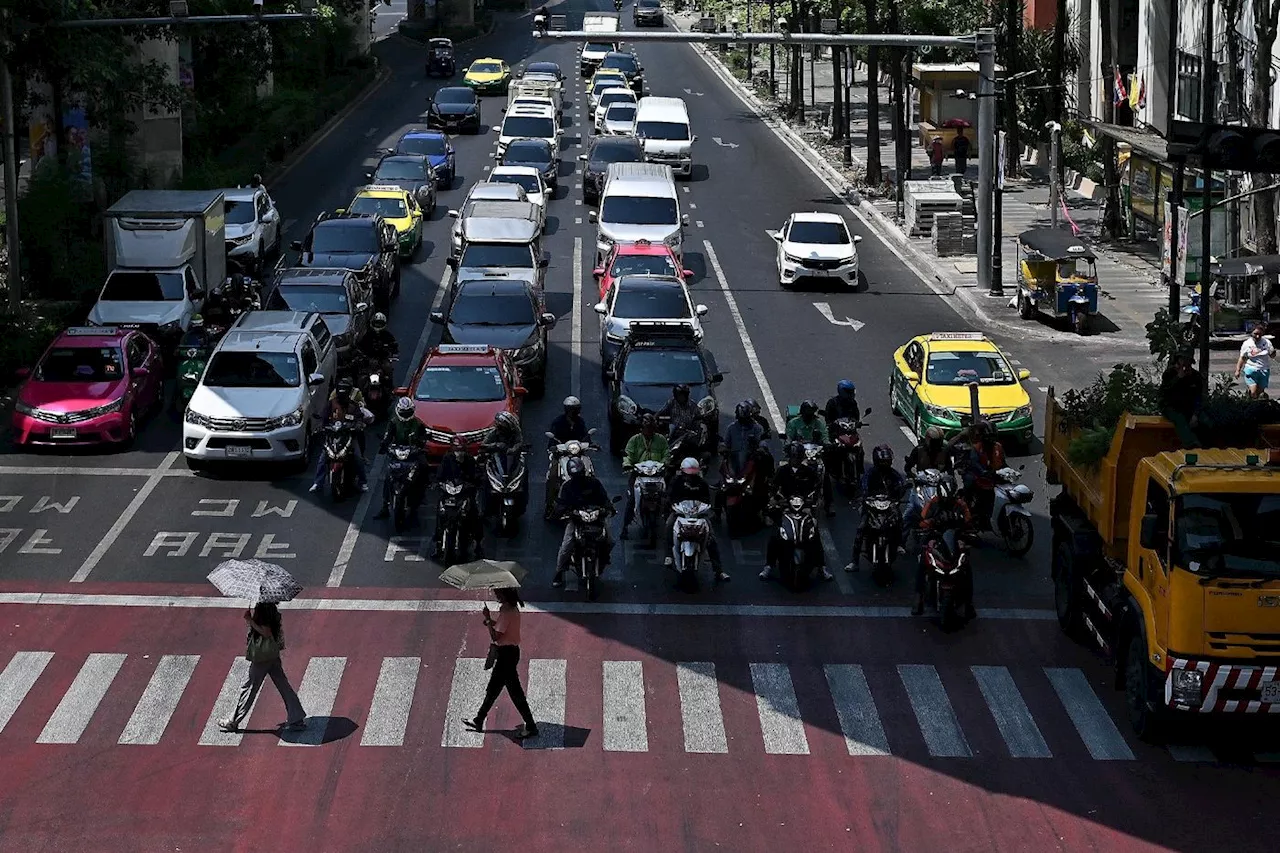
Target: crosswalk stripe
(1013, 719)
(779, 710)
(392, 700)
(625, 722)
(17, 680)
(159, 700)
(934, 714)
(546, 694)
(317, 693)
(1092, 722)
(465, 695)
(856, 710)
(81, 700)
(700, 708)
(224, 706)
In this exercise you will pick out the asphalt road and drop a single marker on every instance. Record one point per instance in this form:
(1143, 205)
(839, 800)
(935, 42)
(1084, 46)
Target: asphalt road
(988, 744)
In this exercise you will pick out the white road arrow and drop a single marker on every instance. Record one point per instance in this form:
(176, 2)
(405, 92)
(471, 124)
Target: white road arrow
(718, 141)
(691, 92)
(825, 310)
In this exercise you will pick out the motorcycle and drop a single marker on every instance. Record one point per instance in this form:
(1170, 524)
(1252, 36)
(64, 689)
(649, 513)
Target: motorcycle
(558, 468)
(924, 488)
(689, 538)
(848, 461)
(649, 493)
(339, 454)
(814, 460)
(948, 584)
(1010, 512)
(193, 355)
(588, 540)
(688, 441)
(373, 377)
(881, 519)
(540, 23)
(507, 498)
(741, 494)
(795, 541)
(404, 473)
(455, 515)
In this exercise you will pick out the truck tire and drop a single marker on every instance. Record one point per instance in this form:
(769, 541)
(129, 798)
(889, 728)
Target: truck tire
(1148, 719)
(1068, 594)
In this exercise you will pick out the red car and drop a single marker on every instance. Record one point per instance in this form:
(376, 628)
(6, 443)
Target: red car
(459, 389)
(640, 258)
(93, 385)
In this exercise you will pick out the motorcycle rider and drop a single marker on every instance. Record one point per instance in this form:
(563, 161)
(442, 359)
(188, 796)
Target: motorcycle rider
(947, 512)
(581, 491)
(570, 426)
(648, 445)
(985, 458)
(342, 403)
(931, 453)
(540, 19)
(844, 404)
(681, 410)
(689, 485)
(810, 428)
(793, 479)
(880, 479)
(379, 345)
(460, 466)
(505, 438)
(197, 335)
(742, 438)
(406, 430)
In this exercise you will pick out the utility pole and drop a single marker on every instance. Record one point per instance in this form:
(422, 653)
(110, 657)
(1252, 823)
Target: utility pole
(773, 70)
(1207, 113)
(986, 46)
(1055, 176)
(10, 185)
(1179, 169)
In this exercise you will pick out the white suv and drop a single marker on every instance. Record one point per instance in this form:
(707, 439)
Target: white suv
(264, 391)
(529, 122)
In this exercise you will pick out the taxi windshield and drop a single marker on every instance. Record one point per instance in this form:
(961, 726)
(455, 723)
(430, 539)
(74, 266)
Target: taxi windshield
(663, 367)
(643, 265)
(391, 208)
(961, 368)
(1234, 535)
(650, 302)
(460, 384)
(486, 68)
(80, 364)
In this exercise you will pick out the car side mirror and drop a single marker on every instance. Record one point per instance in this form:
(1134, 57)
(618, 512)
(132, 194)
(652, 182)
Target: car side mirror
(315, 379)
(868, 411)
(22, 372)
(686, 273)
(693, 138)
(591, 217)
(361, 307)
(717, 378)
(548, 319)
(453, 214)
(582, 157)
(452, 263)
(775, 235)
(401, 391)
(198, 293)
(520, 390)
(141, 371)
(684, 220)
(1023, 374)
(340, 211)
(700, 310)
(598, 272)
(601, 309)
(549, 434)
(496, 128)
(368, 176)
(544, 261)
(437, 316)
(912, 377)
(1149, 532)
(296, 245)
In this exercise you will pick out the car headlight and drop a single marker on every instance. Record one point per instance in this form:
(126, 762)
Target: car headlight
(108, 408)
(240, 241)
(23, 408)
(706, 405)
(1187, 686)
(526, 353)
(792, 259)
(627, 406)
(195, 418)
(941, 413)
(673, 240)
(170, 328)
(1021, 412)
(292, 419)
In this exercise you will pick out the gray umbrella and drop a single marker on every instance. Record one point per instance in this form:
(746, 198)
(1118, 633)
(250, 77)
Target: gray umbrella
(255, 581)
(484, 574)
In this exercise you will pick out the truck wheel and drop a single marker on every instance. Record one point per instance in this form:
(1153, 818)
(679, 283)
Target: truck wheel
(1147, 719)
(1026, 308)
(1066, 590)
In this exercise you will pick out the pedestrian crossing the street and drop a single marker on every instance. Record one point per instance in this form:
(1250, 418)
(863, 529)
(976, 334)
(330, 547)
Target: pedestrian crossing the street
(961, 713)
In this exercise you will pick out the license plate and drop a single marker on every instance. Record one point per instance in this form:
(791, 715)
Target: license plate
(239, 451)
(1271, 691)
(62, 432)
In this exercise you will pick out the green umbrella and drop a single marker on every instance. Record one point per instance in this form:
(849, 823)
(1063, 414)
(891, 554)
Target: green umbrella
(484, 574)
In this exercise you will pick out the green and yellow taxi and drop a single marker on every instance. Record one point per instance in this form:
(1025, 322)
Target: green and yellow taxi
(398, 207)
(488, 76)
(931, 380)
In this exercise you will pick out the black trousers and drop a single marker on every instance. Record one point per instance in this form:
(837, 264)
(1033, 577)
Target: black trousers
(502, 675)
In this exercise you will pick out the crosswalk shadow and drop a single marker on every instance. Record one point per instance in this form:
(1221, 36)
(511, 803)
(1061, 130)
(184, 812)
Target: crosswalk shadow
(319, 731)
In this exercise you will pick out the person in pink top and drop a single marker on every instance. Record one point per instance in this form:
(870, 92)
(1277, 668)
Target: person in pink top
(504, 657)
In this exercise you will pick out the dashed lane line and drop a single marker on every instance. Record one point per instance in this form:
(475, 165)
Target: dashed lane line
(122, 521)
(575, 345)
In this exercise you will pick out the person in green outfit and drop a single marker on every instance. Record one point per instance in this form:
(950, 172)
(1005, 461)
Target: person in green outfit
(648, 445)
(809, 427)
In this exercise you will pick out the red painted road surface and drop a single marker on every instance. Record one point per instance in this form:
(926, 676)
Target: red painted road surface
(68, 777)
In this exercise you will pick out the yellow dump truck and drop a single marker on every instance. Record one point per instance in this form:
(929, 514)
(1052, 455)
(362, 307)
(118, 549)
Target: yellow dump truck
(1168, 560)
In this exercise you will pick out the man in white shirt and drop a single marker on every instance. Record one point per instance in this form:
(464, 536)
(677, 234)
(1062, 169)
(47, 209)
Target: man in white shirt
(1255, 362)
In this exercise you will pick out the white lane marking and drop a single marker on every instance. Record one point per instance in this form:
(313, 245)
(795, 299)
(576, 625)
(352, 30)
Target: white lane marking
(692, 206)
(625, 722)
(775, 413)
(577, 202)
(779, 710)
(686, 189)
(824, 308)
(547, 689)
(1013, 718)
(934, 714)
(451, 605)
(577, 220)
(700, 708)
(104, 545)
(465, 695)
(72, 471)
(1092, 722)
(82, 698)
(16, 681)
(575, 344)
(225, 705)
(159, 700)
(906, 430)
(317, 693)
(859, 721)
(834, 564)
(392, 700)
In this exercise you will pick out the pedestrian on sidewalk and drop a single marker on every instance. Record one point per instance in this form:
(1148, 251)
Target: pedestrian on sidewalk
(504, 656)
(937, 156)
(1180, 398)
(1256, 354)
(960, 150)
(265, 643)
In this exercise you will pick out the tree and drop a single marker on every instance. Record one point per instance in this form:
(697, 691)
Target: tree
(874, 170)
(1266, 18)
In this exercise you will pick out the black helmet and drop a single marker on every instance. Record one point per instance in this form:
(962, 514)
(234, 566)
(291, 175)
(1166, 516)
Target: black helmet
(983, 429)
(946, 488)
(743, 412)
(576, 467)
(808, 409)
(755, 407)
(795, 451)
(680, 392)
(507, 421)
(648, 421)
(379, 322)
(458, 444)
(882, 455)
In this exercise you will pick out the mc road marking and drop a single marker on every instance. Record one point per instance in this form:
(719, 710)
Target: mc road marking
(100, 550)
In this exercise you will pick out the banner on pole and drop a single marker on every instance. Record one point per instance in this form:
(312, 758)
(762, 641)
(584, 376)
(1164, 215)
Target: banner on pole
(1000, 162)
(1166, 242)
(1184, 235)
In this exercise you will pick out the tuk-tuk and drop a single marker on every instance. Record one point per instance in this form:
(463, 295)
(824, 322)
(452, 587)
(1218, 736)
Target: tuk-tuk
(1239, 296)
(440, 59)
(1057, 275)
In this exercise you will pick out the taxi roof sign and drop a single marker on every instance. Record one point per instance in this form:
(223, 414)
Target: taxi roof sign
(464, 349)
(382, 188)
(957, 336)
(91, 331)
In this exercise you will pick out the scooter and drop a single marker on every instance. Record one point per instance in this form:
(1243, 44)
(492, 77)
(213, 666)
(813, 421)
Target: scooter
(1010, 512)
(558, 468)
(689, 536)
(881, 519)
(374, 380)
(948, 578)
(924, 488)
(796, 539)
(649, 492)
(741, 494)
(848, 457)
(339, 453)
(454, 519)
(588, 540)
(690, 441)
(404, 472)
(508, 494)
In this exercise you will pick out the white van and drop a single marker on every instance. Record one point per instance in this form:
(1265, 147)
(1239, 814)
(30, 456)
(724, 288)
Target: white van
(639, 203)
(662, 124)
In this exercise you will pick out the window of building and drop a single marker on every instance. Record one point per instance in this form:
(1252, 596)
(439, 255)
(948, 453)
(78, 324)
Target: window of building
(1190, 67)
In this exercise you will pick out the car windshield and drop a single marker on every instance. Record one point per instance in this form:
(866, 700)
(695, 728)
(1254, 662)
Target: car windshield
(961, 368)
(479, 304)
(460, 384)
(647, 4)
(825, 233)
(638, 210)
(241, 212)
(671, 130)
(401, 170)
(622, 63)
(455, 95)
(231, 369)
(392, 208)
(486, 67)
(603, 154)
(597, 47)
(643, 265)
(423, 145)
(649, 302)
(612, 81)
(143, 287)
(528, 152)
(536, 127)
(621, 112)
(1228, 534)
(613, 97)
(508, 255)
(80, 364)
(663, 367)
(343, 239)
(327, 299)
(529, 182)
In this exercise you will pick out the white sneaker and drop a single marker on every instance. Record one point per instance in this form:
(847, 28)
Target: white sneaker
(228, 725)
(767, 574)
(827, 576)
(364, 487)
(315, 487)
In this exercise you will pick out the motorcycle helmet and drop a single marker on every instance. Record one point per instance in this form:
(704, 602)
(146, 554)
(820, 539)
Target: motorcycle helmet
(379, 322)
(845, 388)
(506, 421)
(344, 390)
(197, 323)
(742, 412)
(984, 430)
(795, 452)
(933, 433)
(575, 467)
(572, 406)
(681, 392)
(808, 409)
(882, 456)
(946, 488)
(690, 466)
(648, 421)
(404, 409)
(755, 408)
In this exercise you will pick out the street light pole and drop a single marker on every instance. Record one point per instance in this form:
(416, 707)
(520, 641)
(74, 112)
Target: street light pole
(773, 80)
(986, 160)
(10, 185)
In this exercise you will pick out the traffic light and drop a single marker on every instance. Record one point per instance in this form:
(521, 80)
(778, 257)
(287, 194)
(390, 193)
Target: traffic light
(1239, 149)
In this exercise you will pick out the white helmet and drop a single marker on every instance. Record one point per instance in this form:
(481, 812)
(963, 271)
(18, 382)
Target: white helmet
(404, 408)
(572, 402)
(690, 466)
